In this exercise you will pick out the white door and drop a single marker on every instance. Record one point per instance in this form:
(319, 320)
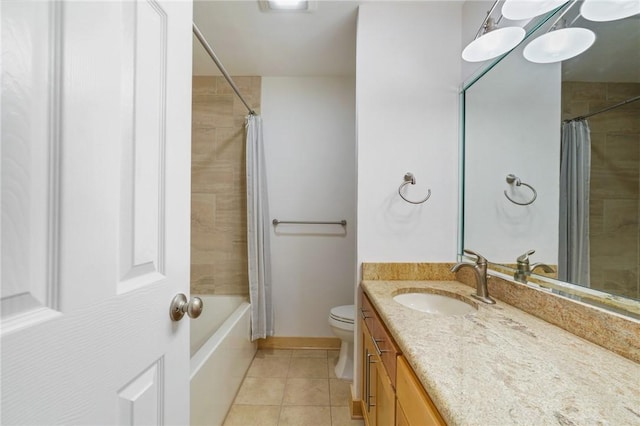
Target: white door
(96, 107)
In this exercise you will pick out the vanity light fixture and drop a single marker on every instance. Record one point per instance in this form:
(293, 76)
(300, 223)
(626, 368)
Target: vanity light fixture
(491, 41)
(516, 10)
(609, 10)
(559, 43)
(287, 5)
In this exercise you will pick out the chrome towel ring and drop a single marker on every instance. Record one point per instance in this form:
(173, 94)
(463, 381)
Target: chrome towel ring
(513, 179)
(409, 178)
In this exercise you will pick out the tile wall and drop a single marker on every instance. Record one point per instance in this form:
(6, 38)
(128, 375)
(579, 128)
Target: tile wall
(615, 182)
(218, 186)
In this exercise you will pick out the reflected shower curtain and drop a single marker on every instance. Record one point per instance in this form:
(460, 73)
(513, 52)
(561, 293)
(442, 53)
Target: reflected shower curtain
(258, 229)
(575, 165)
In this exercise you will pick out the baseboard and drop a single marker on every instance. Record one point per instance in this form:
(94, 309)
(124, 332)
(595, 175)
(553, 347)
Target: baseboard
(276, 342)
(355, 407)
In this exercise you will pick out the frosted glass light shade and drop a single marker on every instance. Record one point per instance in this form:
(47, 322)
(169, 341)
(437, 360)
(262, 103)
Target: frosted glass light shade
(559, 45)
(288, 4)
(526, 9)
(493, 44)
(609, 10)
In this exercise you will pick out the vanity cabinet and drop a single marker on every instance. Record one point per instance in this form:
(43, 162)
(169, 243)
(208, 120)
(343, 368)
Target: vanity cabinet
(391, 393)
(377, 392)
(368, 376)
(379, 357)
(414, 407)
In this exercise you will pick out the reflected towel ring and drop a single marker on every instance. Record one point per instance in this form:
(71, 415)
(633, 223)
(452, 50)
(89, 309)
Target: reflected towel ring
(409, 178)
(511, 179)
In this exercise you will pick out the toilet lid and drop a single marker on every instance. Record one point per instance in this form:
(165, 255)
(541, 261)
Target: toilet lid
(345, 313)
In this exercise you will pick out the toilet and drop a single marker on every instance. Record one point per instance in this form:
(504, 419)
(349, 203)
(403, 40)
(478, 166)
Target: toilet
(341, 322)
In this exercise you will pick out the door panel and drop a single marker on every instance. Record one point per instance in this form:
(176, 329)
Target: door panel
(29, 185)
(95, 212)
(92, 86)
(144, 172)
(142, 400)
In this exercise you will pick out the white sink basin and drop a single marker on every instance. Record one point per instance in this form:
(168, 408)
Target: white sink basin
(434, 304)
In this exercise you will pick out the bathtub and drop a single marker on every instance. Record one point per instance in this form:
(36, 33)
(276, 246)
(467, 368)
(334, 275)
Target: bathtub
(221, 352)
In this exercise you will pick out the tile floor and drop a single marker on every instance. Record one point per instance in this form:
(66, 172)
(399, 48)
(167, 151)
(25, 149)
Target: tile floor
(292, 387)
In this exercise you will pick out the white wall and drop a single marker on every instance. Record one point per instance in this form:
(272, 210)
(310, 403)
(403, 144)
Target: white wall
(408, 77)
(309, 134)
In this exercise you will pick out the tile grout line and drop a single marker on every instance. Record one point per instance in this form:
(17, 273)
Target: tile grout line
(284, 390)
(328, 380)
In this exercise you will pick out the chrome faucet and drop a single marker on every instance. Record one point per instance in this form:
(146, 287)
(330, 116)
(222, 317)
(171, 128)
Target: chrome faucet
(524, 270)
(480, 269)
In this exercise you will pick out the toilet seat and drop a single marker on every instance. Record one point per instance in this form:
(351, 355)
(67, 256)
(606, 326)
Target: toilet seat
(344, 314)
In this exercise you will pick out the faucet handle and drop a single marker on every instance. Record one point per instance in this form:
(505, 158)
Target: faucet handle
(480, 259)
(524, 258)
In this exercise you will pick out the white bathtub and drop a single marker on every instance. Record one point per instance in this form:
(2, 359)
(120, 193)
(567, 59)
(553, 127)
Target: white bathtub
(221, 352)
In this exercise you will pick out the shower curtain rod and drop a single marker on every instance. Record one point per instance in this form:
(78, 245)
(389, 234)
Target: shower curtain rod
(582, 117)
(224, 72)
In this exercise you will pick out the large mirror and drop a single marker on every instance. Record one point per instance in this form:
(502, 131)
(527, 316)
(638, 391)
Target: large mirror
(536, 177)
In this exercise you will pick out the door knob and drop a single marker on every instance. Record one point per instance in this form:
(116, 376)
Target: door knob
(180, 306)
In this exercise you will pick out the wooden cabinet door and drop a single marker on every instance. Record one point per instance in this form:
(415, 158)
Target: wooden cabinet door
(401, 418)
(385, 398)
(369, 377)
(414, 402)
(364, 379)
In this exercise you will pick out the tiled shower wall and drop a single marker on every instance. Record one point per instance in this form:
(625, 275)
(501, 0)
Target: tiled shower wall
(615, 182)
(218, 184)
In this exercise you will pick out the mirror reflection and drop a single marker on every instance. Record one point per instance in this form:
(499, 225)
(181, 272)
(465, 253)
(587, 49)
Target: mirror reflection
(552, 166)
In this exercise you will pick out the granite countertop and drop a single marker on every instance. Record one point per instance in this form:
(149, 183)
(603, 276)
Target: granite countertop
(502, 366)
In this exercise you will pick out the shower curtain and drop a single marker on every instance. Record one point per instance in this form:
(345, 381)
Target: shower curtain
(575, 165)
(258, 233)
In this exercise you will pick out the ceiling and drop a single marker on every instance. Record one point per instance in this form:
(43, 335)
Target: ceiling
(323, 42)
(250, 42)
